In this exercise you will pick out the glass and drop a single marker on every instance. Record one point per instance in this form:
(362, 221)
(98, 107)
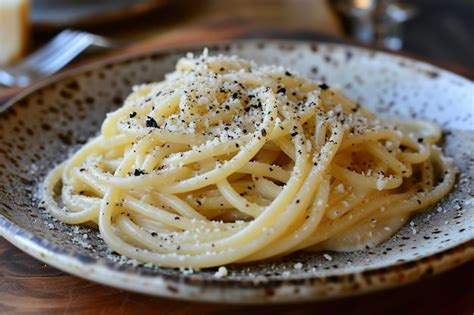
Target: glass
(376, 21)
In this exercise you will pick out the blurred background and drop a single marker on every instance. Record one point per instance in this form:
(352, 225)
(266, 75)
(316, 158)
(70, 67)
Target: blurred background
(36, 32)
(438, 31)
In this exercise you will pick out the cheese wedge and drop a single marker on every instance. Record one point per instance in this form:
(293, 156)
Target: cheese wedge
(14, 29)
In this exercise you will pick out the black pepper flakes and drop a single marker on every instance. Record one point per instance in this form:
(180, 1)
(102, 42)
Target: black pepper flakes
(281, 91)
(138, 172)
(324, 86)
(132, 114)
(151, 122)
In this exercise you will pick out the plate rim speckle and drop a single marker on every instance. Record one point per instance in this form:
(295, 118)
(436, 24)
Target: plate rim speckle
(219, 290)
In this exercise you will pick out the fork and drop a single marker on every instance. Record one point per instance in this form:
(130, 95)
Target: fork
(63, 48)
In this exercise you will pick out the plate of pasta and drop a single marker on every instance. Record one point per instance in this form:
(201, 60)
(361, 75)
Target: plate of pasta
(245, 172)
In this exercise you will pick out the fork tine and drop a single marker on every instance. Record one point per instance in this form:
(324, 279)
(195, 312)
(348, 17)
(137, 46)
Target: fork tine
(62, 54)
(55, 51)
(47, 50)
(62, 49)
(74, 48)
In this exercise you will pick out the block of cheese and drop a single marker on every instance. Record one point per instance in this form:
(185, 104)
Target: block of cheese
(14, 29)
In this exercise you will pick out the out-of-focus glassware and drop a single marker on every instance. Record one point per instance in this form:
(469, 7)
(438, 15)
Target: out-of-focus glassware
(376, 21)
(14, 29)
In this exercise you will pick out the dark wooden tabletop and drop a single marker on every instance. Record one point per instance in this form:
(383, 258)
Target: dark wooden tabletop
(28, 286)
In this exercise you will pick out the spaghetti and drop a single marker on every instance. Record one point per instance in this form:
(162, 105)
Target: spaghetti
(225, 161)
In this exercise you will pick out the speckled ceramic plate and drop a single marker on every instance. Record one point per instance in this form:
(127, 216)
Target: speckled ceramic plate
(42, 126)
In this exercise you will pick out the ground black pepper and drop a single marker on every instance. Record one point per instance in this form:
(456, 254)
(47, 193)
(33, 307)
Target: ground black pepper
(151, 122)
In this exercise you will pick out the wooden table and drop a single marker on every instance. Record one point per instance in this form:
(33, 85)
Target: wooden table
(28, 286)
